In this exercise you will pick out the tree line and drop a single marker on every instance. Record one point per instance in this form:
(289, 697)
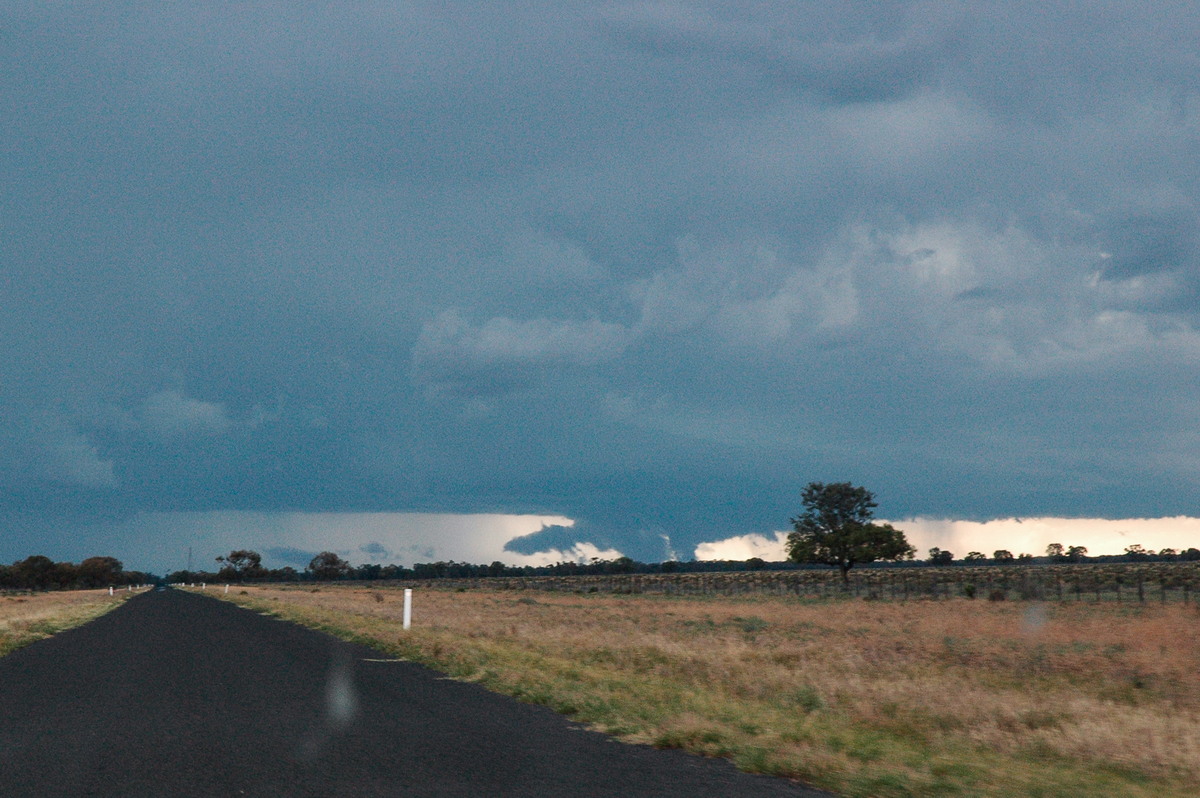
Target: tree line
(246, 566)
(1058, 553)
(42, 573)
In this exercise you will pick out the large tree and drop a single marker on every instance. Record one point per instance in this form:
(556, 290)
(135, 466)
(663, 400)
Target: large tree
(836, 529)
(35, 572)
(241, 565)
(100, 572)
(328, 565)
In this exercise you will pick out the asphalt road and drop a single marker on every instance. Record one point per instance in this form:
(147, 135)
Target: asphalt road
(175, 694)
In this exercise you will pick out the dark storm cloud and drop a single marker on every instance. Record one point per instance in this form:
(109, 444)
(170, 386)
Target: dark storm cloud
(652, 267)
(559, 538)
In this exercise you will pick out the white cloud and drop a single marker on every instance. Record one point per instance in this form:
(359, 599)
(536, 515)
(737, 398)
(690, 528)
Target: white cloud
(895, 136)
(809, 299)
(171, 414)
(1009, 299)
(743, 547)
(546, 340)
(1006, 298)
(747, 292)
(670, 302)
(454, 356)
(582, 552)
(1136, 291)
(531, 254)
(536, 341)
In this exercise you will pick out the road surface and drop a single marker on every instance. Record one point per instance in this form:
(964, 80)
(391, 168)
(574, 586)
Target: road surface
(175, 694)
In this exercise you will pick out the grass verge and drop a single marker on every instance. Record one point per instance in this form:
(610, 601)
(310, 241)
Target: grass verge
(922, 698)
(27, 618)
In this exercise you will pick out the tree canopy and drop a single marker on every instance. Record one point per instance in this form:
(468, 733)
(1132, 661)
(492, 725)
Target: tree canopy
(836, 528)
(241, 565)
(39, 572)
(938, 556)
(327, 565)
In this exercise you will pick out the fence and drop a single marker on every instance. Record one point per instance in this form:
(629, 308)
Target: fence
(1067, 582)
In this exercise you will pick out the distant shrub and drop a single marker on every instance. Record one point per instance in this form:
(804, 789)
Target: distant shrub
(807, 699)
(752, 624)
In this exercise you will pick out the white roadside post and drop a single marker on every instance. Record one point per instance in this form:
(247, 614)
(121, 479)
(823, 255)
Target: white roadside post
(226, 590)
(407, 607)
(110, 590)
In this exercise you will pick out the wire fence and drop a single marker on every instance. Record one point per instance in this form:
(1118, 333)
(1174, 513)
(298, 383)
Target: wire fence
(1128, 582)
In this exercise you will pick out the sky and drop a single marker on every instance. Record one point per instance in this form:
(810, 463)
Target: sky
(625, 276)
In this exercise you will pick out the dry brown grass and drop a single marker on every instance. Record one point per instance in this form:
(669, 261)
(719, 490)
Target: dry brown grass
(866, 698)
(27, 617)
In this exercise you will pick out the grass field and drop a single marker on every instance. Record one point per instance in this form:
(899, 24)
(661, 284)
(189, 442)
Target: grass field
(25, 618)
(869, 698)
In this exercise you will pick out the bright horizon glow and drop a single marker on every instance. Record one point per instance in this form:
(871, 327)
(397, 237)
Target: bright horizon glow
(293, 538)
(1032, 535)
(159, 542)
(1017, 535)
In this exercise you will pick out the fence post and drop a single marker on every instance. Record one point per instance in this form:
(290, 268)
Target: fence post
(407, 607)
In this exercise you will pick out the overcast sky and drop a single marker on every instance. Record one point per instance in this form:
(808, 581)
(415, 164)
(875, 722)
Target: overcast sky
(651, 267)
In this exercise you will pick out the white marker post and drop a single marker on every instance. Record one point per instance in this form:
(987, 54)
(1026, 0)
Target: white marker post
(110, 590)
(226, 590)
(407, 607)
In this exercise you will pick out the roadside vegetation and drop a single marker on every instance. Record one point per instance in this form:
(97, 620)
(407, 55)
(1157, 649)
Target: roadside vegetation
(862, 697)
(39, 572)
(28, 617)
